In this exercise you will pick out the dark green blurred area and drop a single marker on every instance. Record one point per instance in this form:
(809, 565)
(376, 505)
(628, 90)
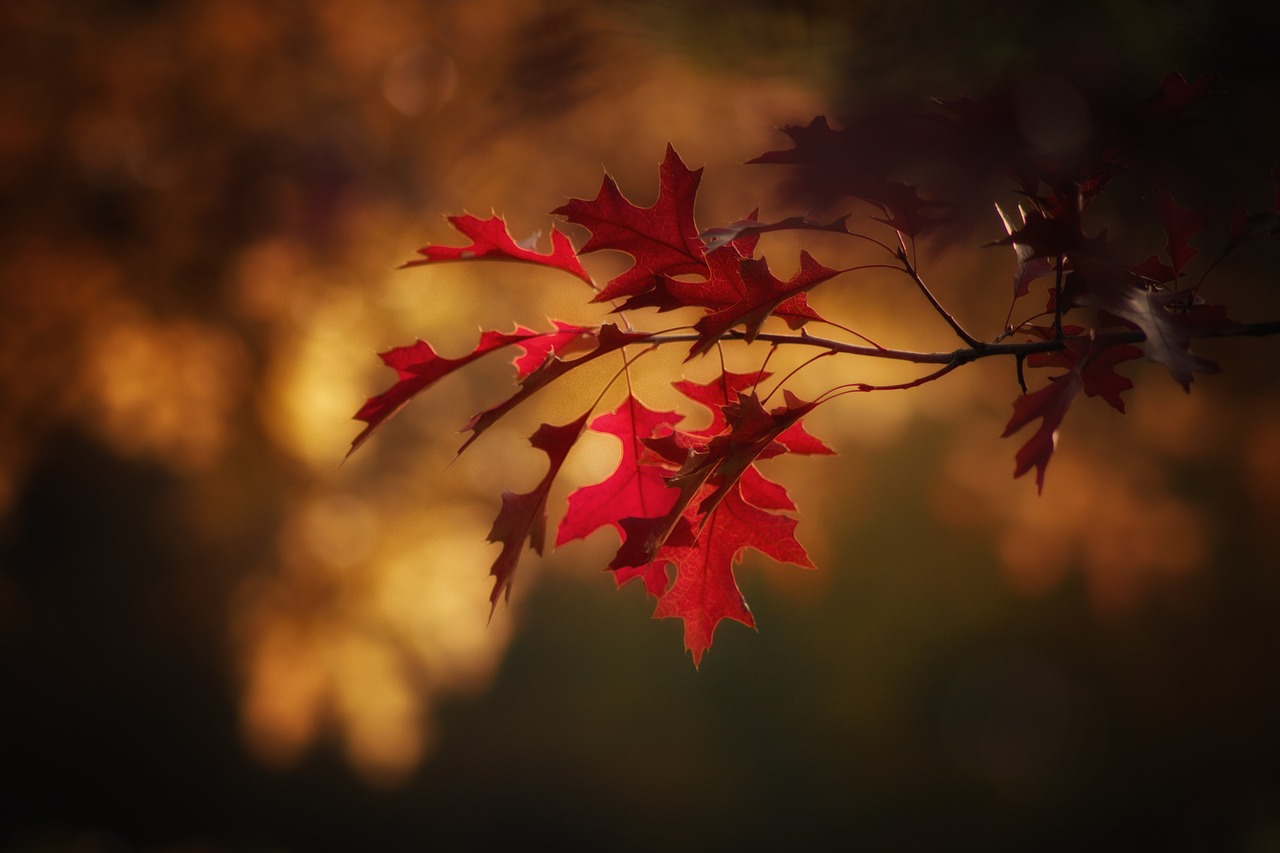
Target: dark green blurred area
(915, 703)
(902, 698)
(922, 48)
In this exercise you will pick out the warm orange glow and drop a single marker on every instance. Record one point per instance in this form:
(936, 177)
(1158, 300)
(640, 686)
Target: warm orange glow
(1261, 462)
(284, 694)
(165, 389)
(1113, 518)
(378, 610)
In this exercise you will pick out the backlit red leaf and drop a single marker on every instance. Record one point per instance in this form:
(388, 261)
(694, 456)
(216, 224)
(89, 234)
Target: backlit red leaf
(762, 295)
(721, 505)
(704, 591)
(610, 339)
(636, 487)
(491, 241)
(568, 339)
(524, 516)
(418, 367)
(662, 238)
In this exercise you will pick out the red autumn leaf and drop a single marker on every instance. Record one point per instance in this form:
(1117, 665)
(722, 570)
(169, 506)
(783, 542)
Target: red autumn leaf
(759, 491)
(753, 432)
(568, 339)
(796, 439)
(635, 488)
(716, 394)
(704, 591)
(659, 296)
(1095, 363)
(724, 286)
(1090, 368)
(762, 295)
(492, 241)
(644, 537)
(609, 339)
(663, 238)
(633, 560)
(1180, 225)
(720, 287)
(1050, 405)
(524, 516)
(720, 455)
(418, 367)
(1098, 376)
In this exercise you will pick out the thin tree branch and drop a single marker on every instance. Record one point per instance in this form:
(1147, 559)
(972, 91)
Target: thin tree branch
(964, 355)
(909, 268)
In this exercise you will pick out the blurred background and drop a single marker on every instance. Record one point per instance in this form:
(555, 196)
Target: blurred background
(214, 636)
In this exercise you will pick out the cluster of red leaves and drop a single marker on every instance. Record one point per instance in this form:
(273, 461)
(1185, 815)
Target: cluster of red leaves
(686, 504)
(692, 500)
(1149, 296)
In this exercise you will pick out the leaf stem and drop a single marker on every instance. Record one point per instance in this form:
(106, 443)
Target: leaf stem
(870, 239)
(783, 381)
(860, 387)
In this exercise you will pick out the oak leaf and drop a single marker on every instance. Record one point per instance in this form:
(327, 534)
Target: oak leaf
(1167, 322)
(1029, 265)
(1180, 225)
(1090, 368)
(418, 367)
(662, 238)
(492, 241)
(524, 515)
(721, 505)
(635, 488)
(609, 338)
(704, 591)
(762, 295)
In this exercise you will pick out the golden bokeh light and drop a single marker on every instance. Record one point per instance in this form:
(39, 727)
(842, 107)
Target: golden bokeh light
(376, 614)
(165, 389)
(1113, 516)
